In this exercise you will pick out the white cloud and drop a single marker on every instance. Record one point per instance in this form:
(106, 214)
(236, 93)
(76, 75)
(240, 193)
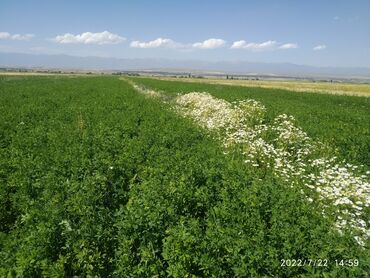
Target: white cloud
(288, 46)
(263, 46)
(267, 45)
(319, 47)
(168, 43)
(15, 37)
(90, 38)
(209, 44)
(238, 44)
(157, 43)
(4, 35)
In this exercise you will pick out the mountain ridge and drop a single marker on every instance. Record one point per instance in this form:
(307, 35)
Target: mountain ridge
(63, 61)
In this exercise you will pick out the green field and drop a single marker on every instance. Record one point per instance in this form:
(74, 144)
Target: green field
(101, 179)
(340, 121)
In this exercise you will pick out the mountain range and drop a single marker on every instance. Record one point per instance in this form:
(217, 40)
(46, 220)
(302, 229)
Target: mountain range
(16, 60)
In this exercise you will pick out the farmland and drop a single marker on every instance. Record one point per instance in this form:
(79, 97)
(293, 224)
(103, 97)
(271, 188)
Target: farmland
(340, 121)
(336, 88)
(138, 177)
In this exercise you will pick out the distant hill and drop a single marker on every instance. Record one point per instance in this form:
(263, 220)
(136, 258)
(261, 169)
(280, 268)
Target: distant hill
(236, 67)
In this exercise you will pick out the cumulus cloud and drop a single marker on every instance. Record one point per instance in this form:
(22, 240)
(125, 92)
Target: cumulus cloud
(267, 45)
(209, 44)
(168, 43)
(239, 44)
(263, 46)
(90, 38)
(157, 43)
(319, 47)
(4, 35)
(288, 46)
(15, 37)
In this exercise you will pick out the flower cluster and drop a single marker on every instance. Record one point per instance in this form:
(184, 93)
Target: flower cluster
(338, 186)
(145, 91)
(218, 114)
(286, 150)
(208, 112)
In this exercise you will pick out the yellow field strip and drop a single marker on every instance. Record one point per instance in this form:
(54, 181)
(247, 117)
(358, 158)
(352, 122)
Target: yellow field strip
(299, 86)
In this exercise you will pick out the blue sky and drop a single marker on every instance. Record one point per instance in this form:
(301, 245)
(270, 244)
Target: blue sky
(321, 33)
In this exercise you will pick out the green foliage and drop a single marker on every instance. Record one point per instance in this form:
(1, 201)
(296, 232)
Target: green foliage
(341, 122)
(99, 181)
